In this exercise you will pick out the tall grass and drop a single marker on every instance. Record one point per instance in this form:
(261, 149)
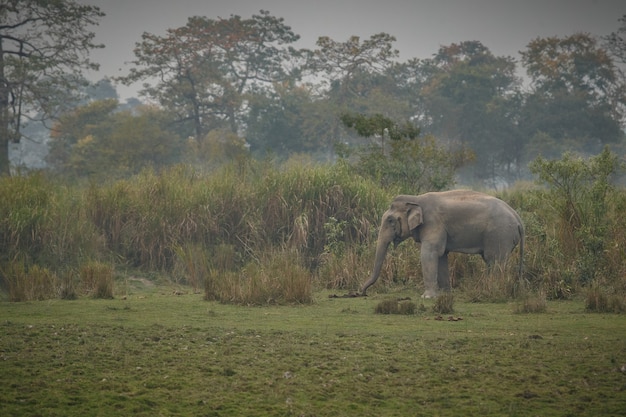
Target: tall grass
(236, 224)
(277, 278)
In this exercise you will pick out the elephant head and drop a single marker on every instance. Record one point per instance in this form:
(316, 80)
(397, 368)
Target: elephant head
(397, 225)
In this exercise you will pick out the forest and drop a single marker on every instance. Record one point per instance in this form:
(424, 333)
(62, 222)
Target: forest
(221, 88)
(252, 149)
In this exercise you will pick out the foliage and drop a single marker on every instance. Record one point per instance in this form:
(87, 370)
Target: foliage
(219, 147)
(532, 303)
(97, 279)
(464, 85)
(395, 307)
(99, 141)
(582, 195)
(28, 284)
(208, 69)
(598, 301)
(413, 165)
(278, 278)
(578, 98)
(203, 229)
(616, 41)
(45, 45)
(444, 303)
(354, 76)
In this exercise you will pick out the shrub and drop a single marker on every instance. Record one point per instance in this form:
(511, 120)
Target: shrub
(191, 265)
(387, 307)
(347, 270)
(599, 301)
(495, 284)
(532, 303)
(277, 278)
(97, 279)
(582, 195)
(444, 303)
(29, 284)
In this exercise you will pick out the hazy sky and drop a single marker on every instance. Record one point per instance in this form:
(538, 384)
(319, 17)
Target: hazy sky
(420, 26)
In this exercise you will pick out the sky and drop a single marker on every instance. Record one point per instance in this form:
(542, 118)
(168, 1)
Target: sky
(421, 27)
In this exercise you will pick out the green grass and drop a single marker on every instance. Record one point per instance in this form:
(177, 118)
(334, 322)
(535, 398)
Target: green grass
(156, 352)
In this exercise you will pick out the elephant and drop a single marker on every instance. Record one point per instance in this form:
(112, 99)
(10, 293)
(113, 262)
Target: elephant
(461, 221)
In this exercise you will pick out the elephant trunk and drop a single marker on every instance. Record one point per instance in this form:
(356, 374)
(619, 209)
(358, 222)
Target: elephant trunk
(381, 252)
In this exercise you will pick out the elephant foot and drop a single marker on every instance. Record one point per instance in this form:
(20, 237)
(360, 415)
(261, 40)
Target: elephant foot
(429, 294)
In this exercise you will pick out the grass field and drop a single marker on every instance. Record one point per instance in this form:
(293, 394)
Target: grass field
(160, 352)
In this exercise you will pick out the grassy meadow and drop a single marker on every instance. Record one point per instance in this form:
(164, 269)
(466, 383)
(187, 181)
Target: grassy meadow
(186, 293)
(158, 350)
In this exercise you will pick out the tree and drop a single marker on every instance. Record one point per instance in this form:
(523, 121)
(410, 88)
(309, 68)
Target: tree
(412, 164)
(284, 121)
(616, 42)
(582, 192)
(44, 46)
(353, 78)
(468, 97)
(577, 97)
(97, 140)
(205, 71)
(342, 61)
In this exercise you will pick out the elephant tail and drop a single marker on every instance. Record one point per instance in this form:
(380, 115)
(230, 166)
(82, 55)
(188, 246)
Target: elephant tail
(520, 228)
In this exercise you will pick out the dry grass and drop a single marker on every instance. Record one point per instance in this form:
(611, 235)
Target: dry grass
(598, 300)
(444, 303)
(97, 279)
(29, 284)
(532, 303)
(277, 278)
(189, 227)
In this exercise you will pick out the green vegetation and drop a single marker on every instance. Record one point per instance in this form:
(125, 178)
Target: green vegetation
(221, 88)
(153, 352)
(195, 275)
(256, 233)
(185, 293)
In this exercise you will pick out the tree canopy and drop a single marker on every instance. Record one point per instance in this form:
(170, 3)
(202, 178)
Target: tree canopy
(239, 83)
(44, 46)
(204, 71)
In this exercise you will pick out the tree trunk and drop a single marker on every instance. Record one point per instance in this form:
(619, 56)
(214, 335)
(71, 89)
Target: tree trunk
(4, 119)
(4, 154)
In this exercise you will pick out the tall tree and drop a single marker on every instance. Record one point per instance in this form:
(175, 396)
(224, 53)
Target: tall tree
(469, 98)
(616, 42)
(44, 46)
(354, 77)
(342, 62)
(577, 98)
(203, 71)
(98, 140)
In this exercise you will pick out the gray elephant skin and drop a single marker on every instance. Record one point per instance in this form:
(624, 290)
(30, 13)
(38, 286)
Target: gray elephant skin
(450, 221)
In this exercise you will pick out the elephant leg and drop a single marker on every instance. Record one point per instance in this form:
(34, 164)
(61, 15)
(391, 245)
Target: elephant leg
(430, 266)
(443, 273)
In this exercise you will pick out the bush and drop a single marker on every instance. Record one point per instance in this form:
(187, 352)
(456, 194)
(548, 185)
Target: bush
(496, 284)
(599, 301)
(277, 278)
(29, 284)
(583, 196)
(532, 303)
(444, 303)
(97, 279)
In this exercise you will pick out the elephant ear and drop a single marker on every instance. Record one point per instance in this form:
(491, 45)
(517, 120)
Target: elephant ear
(414, 216)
